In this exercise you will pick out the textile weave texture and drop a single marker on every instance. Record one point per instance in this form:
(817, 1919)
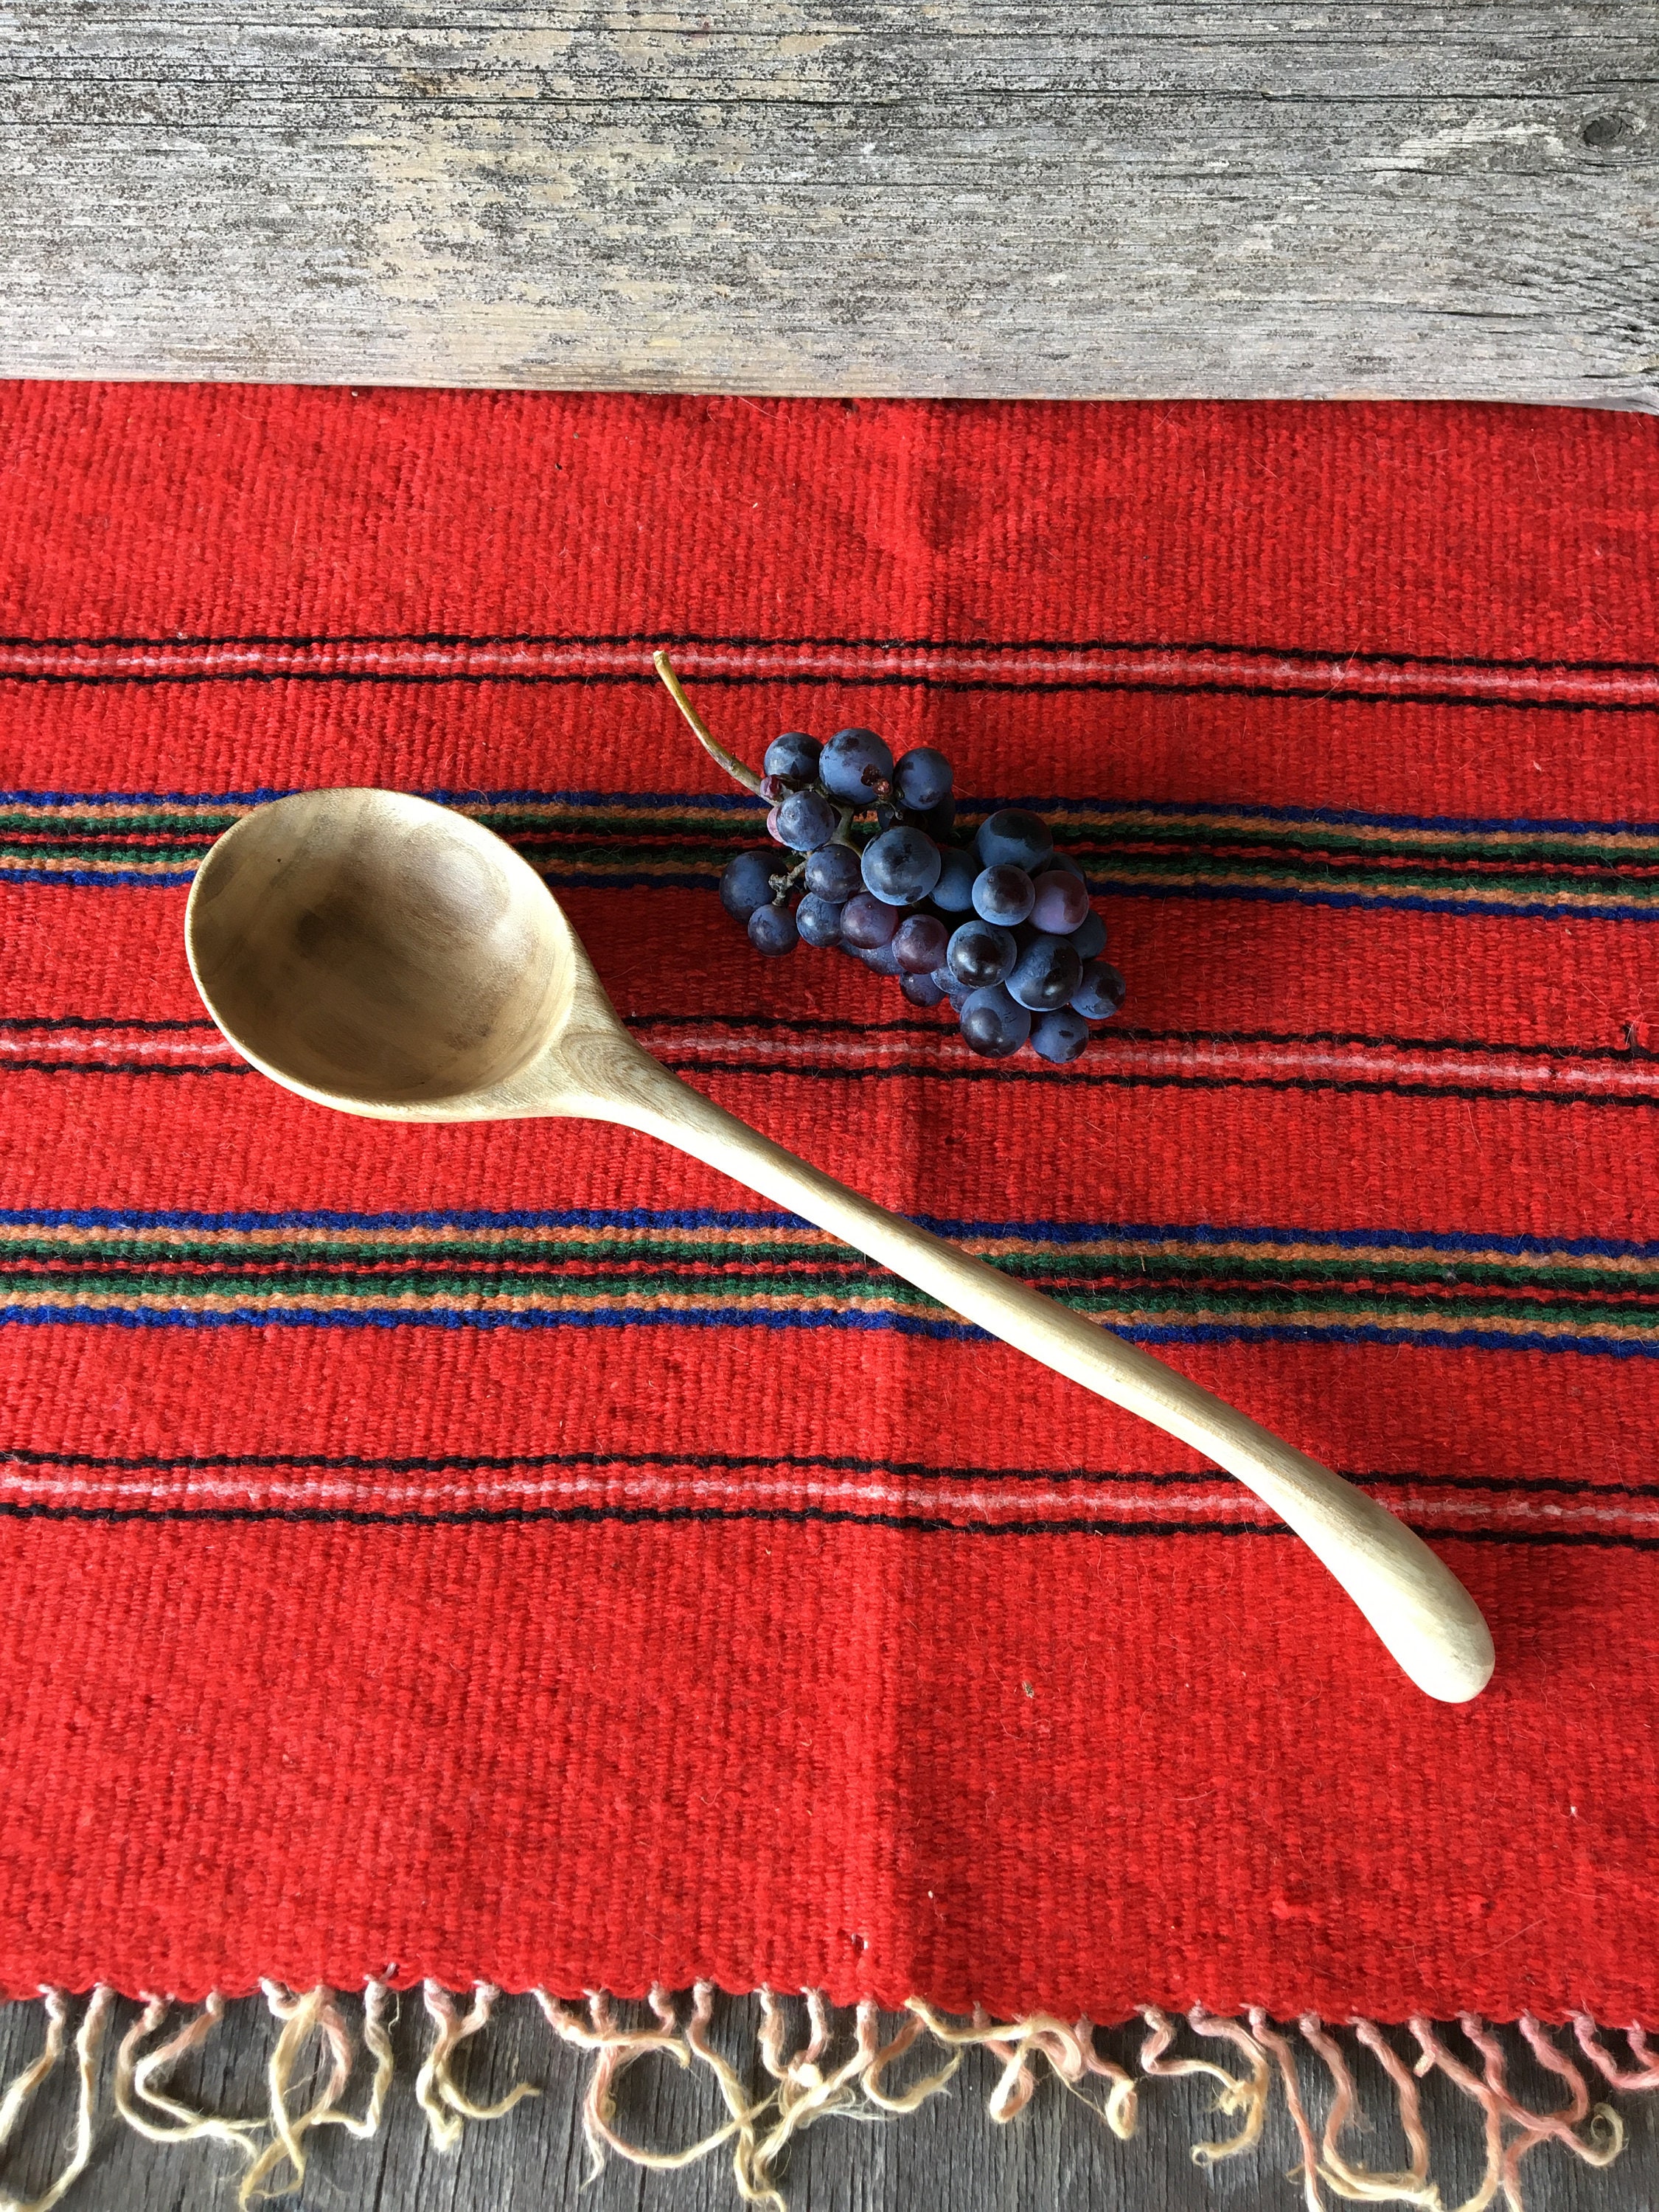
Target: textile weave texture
(513, 1552)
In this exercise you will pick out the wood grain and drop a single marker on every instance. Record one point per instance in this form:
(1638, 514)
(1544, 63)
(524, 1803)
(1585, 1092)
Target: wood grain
(1287, 200)
(392, 958)
(1055, 2157)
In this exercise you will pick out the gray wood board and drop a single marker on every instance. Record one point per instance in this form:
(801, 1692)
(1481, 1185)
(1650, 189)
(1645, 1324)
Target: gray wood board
(966, 198)
(1056, 2154)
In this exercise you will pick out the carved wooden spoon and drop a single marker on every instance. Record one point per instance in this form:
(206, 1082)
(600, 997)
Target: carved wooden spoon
(390, 958)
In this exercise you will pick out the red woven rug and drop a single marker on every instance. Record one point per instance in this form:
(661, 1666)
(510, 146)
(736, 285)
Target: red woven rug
(510, 1552)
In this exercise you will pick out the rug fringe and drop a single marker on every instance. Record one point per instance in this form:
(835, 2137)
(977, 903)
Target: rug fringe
(377, 1997)
(89, 2045)
(302, 2016)
(1232, 2095)
(614, 2049)
(1645, 2075)
(806, 2090)
(1364, 2184)
(447, 2105)
(842, 2068)
(14, 2103)
(136, 2080)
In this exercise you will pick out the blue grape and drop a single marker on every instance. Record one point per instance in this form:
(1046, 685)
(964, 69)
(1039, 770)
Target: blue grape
(921, 778)
(980, 955)
(747, 882)
(954, 891)
(1003, 895)
(1099, 993)
(807, 819)
(818, 919)
(1046, 973)
(833, 872)
(1062, 903)
(992, 1025)
(1060, 1036)
(919, 944)
(852, 764)
(901, 866)
(1021, 964)
(793, 758)
(1089, 940)
(772, 929)
(1022, 839)
(866, 921)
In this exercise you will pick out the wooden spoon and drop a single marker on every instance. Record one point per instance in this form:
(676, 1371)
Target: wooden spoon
(390, 958)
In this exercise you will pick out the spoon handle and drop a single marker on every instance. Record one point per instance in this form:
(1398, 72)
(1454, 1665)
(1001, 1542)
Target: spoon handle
(1418, 1608)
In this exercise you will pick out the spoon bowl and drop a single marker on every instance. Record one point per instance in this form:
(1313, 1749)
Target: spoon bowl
(376, 951)
(389, 957)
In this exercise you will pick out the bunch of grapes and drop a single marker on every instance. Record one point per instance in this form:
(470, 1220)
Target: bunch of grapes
(997, 921)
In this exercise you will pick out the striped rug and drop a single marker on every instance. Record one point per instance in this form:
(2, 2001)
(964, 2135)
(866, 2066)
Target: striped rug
(516, 1554)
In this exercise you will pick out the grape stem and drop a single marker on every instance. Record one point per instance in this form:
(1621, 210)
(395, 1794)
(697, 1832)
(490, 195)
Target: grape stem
(733, 767)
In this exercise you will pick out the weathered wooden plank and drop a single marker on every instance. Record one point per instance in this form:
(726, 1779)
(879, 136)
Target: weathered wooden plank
(1045, 200)
(1056, 2154)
